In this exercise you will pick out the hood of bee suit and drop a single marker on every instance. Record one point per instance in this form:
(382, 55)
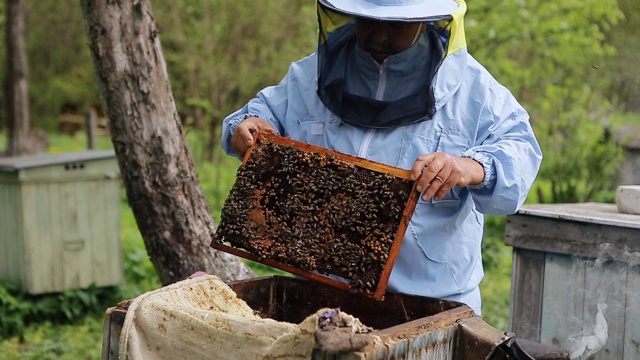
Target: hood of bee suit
(444, 37)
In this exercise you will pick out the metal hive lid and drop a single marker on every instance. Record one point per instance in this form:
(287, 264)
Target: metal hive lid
(17, 163)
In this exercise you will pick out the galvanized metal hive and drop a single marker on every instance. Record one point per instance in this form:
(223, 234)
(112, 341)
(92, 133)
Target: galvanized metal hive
(317, 213)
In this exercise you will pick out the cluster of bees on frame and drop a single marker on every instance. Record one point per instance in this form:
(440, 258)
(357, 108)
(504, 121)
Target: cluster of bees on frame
(314, 212)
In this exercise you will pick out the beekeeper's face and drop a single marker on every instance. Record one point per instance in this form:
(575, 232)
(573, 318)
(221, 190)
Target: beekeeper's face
(384, 38)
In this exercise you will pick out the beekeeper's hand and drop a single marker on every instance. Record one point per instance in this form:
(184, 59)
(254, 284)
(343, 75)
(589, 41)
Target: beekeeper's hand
(438, 172)
(242, 138)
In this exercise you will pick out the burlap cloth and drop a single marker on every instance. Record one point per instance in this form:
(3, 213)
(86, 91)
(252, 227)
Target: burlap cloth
(202, 318)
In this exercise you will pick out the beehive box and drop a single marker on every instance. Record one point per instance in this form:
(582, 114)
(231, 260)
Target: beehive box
(60, 221)
(568, 261)
(320, 214)
(409, 327)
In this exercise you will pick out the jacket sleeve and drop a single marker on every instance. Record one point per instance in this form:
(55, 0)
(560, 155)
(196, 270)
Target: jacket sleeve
(269, 104)
(507, 149)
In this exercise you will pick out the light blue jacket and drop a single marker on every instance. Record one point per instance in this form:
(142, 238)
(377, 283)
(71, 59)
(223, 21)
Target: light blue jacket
(475, 117)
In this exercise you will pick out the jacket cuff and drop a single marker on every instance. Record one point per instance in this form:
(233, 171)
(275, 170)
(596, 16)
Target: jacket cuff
(486, 161)
(233, 123)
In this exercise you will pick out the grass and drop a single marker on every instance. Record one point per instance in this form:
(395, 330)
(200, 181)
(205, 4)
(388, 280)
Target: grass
(48, 341)
(81, 337)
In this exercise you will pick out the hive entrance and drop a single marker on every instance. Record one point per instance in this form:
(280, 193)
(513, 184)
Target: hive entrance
(317, 213)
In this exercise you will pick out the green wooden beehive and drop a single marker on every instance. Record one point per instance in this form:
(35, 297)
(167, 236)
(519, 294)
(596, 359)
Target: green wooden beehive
(60, 221)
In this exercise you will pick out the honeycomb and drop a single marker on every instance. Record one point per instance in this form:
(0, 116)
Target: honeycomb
(318, 211)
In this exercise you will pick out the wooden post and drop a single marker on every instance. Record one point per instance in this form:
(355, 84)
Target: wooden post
(92, 127)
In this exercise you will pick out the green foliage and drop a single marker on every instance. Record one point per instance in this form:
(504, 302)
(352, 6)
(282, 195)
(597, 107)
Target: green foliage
(140, 274)
(625, 118)
(60, 67)
(19, 310)
(534, 44)
(216, 176)
(48, 341)
(220, 53)
(60, 143)
(496, 285)
(548, 53)
(623, 70)
(582, 155)
(12, 310)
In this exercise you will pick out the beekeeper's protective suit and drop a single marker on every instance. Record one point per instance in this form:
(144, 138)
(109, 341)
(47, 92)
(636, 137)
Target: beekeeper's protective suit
(432, 97)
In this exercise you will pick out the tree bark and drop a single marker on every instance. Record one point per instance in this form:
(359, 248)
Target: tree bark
(157, 169)
(17, 93)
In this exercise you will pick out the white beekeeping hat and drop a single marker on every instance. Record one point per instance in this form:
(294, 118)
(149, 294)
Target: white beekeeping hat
(398, 10)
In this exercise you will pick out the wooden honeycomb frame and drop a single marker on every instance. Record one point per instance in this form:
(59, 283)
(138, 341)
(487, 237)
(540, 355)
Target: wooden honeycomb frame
(317, 213)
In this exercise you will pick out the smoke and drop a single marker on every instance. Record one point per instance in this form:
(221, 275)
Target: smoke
(590, 342)
(610, 252)
(605, 282)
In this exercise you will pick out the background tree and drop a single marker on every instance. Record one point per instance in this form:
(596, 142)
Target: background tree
(157, 170)
(17, 96)
(3, 69)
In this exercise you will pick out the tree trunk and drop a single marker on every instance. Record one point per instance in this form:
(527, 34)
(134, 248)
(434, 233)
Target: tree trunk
(157, 169)
(17, 80)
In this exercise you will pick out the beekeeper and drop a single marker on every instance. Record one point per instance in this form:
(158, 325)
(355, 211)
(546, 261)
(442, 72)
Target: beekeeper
(392, 81)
